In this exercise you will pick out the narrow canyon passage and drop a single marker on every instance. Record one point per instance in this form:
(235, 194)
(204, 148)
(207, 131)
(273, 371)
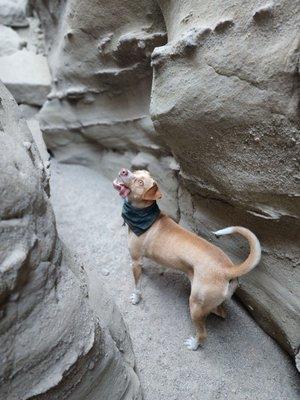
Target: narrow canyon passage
(88, 217)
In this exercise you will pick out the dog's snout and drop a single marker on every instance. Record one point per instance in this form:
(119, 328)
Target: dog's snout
(124, 172)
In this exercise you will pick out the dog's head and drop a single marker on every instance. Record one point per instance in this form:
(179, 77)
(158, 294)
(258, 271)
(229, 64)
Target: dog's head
(138, 186)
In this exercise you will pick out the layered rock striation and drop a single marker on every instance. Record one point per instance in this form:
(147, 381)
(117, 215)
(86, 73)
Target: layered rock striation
(225, 99)
(54, 345)
(99, 56)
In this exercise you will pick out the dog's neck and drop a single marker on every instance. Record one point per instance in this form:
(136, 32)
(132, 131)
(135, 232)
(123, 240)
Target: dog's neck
(140, 203)
(140, 220)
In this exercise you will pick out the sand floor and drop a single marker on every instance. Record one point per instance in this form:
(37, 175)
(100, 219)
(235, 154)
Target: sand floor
(239, 361)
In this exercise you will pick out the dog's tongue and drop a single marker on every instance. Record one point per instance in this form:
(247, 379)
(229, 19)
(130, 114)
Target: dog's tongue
(124, 191)
(121, 188)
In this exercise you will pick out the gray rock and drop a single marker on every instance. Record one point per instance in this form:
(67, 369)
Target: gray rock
(13, 13)
(48, 322)
(33, 35)
(10, 41)
(29, 84)
(229, 113)
(101, 73)
(28, 111)
(37, 135)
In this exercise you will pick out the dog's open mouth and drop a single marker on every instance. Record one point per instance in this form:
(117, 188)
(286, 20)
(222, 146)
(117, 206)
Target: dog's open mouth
(121, 188)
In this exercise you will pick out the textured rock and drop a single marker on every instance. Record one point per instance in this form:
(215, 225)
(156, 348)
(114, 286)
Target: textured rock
(231, 118)
(224, 102)
(53, 344)
(100, 65)
(26, 86)
(13, 13)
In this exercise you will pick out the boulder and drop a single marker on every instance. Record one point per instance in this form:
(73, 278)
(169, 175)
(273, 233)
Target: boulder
(13, 13)
(27, 76)
(54, 344)
(10, 41)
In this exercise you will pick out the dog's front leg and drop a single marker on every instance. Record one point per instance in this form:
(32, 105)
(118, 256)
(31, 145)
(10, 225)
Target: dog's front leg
(136, 296)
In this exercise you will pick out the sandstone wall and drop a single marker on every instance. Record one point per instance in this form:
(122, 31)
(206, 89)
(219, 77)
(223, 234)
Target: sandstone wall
(54, 345)
(225, 99)
(224, 103)
(98, 108)
(99, 56)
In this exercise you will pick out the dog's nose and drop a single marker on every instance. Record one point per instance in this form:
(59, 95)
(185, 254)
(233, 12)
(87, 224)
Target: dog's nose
(124, 172)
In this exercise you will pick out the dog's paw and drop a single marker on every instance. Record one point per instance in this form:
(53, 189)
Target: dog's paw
(192, 343)
(135, 297)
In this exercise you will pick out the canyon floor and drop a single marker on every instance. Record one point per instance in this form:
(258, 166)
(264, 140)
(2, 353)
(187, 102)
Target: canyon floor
(239, 361)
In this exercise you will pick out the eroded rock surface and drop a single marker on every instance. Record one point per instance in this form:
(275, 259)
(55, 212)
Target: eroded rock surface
(54, 345)
(225, 99)
(100, 65)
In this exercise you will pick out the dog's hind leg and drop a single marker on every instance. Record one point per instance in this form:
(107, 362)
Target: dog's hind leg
(136, 296)
(198, 317)
(232, 286)
(220, 311)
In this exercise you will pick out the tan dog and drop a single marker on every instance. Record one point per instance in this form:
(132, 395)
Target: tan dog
(212, 274)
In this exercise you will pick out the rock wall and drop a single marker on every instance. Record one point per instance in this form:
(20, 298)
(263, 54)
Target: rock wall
(225, 99)
(23, 65)
(224, 103)
(54, 345)
(101, 74)
(98, 107)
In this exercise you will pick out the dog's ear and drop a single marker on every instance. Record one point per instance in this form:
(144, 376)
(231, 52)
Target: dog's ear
(153, 193)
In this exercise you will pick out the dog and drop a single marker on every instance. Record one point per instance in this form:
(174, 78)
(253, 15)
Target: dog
(154, 235)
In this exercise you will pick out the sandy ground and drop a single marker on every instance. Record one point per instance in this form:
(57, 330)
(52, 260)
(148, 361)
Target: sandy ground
(239, 361)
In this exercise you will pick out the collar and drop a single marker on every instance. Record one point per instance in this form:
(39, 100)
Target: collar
(140, 220)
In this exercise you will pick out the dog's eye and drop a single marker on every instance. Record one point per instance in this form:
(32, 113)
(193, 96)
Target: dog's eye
(141, 183)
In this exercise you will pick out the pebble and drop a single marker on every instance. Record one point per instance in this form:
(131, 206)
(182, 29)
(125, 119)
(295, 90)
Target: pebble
(105, 272)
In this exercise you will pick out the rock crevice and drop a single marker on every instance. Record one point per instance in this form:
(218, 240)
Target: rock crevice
(54, 344)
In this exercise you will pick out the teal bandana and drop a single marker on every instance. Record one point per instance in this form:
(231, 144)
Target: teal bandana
(139, 220)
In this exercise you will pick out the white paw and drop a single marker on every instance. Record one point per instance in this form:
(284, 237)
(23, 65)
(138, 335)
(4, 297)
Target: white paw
(135, 298)
(192, 343)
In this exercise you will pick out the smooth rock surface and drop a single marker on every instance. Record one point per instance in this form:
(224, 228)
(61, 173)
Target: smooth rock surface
(10, 41)
(27, 76)
(225, 99)
(239, 360)
(54, 344)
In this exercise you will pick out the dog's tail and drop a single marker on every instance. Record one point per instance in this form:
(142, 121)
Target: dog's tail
(255, 251)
